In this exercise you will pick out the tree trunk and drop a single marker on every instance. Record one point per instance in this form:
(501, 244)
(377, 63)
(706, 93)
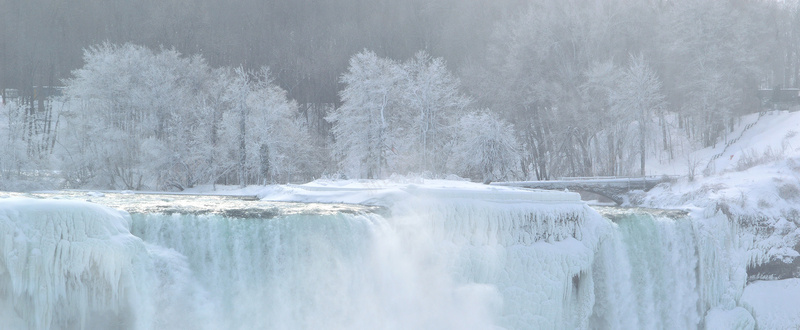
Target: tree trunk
(242, 144)
(642, 144)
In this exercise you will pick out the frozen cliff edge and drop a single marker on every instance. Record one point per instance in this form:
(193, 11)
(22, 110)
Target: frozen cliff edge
(69, 264)
(762, 203)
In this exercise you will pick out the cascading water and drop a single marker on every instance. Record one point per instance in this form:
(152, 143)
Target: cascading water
(655, 272)
(472, 261)
(310, 272)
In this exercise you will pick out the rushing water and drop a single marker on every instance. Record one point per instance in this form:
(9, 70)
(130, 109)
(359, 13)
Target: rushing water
(439, 263)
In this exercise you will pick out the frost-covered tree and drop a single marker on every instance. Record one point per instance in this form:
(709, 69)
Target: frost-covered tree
(639, 94)
(132, 119)
(143, 119)
(190, 131)
(364, 126)
(113, 106)
(431, 97)
(611, 123)
(711, 62)
(267, 142)
(485, 148)
(12, 145)
(396, 117)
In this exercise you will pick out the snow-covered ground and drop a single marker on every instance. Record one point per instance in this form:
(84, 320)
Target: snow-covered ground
(386, 192)
(774, 133)
(774, 303)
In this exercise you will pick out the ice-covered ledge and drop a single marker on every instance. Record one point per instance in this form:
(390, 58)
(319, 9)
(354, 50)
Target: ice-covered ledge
(384, 192)
(494, 194)
(66, 264)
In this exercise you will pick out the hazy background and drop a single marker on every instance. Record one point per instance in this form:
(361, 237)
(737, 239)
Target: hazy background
(306, 42)
(568, 88)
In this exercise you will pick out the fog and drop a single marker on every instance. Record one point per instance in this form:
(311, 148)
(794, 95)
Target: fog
(306, 42)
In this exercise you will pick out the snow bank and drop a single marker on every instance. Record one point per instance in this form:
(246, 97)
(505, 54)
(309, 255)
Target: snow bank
(67, 264)
(387, 192)
(735, 319)
(773, 132)
(774, 303)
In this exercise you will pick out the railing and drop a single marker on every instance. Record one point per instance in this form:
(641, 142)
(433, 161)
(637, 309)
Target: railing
(589, 178)
(731, 142)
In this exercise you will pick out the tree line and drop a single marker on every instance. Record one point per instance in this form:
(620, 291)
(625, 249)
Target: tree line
(544, 89)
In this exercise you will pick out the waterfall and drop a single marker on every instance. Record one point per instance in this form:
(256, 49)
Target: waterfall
(656, 272)
(337, 271)
(438, 260)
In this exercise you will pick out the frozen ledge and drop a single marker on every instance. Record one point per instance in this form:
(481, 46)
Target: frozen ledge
(386, 192)
(497, 195)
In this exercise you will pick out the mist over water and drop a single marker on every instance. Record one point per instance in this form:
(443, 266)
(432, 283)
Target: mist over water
(302, 272)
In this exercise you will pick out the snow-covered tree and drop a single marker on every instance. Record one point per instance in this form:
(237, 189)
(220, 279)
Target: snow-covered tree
(12, 145)
(364, 126)
(639, 94)
(112, 113)
(610, 123)
(131, 119)
(267, 141)
(190, 131)
(144, 119)
(485, 148)
(431, 97)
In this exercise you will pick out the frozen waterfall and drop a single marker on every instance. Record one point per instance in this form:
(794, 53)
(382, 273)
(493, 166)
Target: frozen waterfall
(516, 260)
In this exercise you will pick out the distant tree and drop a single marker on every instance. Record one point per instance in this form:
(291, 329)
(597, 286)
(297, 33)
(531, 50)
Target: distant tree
(532, 76)
(485, 148)
(238, 93)
(189, 134)
(639, 93)
(362, 126)
(432, 98)
(12, 144)
(611, 123)
(711, 63)
(268, 141)
(130, 119)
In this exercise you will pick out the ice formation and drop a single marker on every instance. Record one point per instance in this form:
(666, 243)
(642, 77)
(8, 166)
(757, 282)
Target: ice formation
(442, 259)
(67, 265)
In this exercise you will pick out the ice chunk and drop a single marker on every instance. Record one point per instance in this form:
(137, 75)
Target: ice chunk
(734, 319)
